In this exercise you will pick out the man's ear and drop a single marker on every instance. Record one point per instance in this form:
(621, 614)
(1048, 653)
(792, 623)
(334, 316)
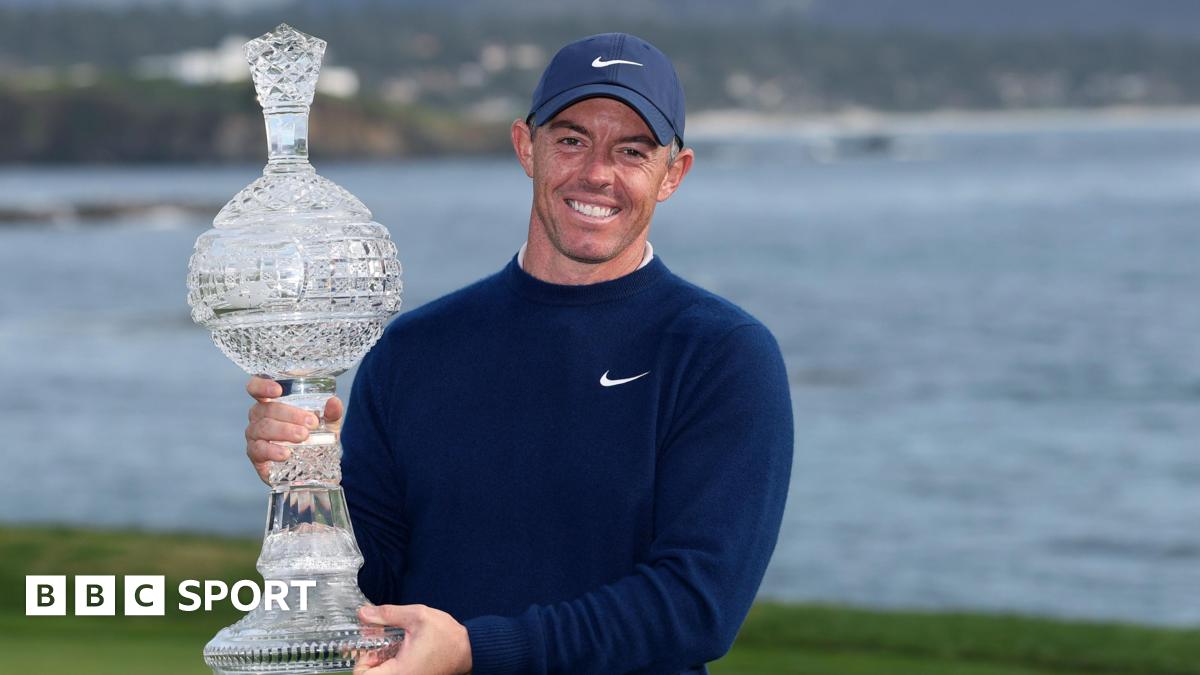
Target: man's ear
(522, 140)
(675, 173)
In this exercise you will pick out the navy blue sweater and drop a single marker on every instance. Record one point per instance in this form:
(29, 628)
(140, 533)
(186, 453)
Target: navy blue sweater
(495, 471)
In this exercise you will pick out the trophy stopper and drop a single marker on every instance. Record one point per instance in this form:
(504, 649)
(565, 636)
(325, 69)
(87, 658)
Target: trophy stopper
(285, 64)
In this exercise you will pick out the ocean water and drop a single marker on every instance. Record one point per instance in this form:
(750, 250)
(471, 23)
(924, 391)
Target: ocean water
(993, 342)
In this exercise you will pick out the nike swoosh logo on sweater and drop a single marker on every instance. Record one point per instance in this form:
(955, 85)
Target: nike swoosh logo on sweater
(605, 382)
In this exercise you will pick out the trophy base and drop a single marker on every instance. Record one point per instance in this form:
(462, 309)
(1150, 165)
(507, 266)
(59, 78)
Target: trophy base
(307, 620)
(333, 650)
(328, 638)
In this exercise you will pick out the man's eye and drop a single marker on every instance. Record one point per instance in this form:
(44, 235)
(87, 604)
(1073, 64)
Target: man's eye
(569, 140)
(632, 153)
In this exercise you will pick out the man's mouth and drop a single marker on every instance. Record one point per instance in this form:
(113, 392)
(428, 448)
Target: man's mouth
(592, 210)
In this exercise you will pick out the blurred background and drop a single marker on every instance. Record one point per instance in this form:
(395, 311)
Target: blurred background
(971, 226)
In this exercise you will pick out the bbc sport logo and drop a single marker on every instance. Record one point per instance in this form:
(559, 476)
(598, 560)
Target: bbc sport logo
(146, 595)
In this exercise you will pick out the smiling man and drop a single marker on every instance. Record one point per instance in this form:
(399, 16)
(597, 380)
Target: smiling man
(578, 464)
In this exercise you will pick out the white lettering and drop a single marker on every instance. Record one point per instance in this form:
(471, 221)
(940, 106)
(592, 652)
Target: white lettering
(304, 585)
(185, 589)
(235, 597)
(211, 589)
(145, 595)
(276, 594)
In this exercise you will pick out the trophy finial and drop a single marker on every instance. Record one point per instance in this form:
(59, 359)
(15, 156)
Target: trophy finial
(285, 64)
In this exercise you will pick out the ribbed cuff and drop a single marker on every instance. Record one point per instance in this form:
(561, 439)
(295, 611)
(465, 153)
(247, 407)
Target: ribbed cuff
(499, 646)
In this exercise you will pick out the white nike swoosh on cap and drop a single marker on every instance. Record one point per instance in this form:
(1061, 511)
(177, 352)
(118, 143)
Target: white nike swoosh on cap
(605, 382)
(601, 63)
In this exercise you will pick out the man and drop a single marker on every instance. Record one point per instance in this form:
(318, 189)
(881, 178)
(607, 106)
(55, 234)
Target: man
(579, 464)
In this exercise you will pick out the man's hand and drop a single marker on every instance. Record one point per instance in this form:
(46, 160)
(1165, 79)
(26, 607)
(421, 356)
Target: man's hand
(272, 423)
(434, 643)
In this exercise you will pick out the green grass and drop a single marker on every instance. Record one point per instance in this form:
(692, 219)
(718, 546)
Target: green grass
(776, 639)
(103, 645)
(817, 639)
(742, 661)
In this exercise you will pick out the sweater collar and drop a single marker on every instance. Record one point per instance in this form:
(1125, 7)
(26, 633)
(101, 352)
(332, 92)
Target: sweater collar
(532, 288)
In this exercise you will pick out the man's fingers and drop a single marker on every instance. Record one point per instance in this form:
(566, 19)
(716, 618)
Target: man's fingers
(365, 662)
(268, 429)
(264, 451)
(404, 616)
(283, 413)
(263, 388)
(389, 667)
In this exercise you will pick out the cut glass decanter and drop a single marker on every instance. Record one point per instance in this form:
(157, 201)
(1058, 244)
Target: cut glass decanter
(295, 281)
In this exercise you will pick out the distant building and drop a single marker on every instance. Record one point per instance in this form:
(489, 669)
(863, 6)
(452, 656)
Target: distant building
(226, 63)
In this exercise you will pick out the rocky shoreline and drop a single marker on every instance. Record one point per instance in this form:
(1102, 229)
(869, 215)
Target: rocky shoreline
(133, 123)
(98, 212)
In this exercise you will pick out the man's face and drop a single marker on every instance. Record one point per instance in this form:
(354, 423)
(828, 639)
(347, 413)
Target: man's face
(597, 175)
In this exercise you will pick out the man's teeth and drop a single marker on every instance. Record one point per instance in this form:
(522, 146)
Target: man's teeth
(591, 209)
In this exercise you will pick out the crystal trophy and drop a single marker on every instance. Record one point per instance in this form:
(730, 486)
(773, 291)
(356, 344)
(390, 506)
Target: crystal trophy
(295, 281)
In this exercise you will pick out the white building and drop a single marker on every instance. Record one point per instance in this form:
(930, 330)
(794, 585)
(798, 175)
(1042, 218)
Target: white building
(227, 63)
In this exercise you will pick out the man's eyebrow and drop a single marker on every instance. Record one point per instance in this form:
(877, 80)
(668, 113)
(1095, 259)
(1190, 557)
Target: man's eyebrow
(640, 138)
(568, 124)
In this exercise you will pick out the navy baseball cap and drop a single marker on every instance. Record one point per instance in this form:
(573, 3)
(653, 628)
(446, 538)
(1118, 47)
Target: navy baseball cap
(614, 65)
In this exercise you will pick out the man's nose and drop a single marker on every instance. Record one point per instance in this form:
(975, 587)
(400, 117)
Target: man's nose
(598, 172)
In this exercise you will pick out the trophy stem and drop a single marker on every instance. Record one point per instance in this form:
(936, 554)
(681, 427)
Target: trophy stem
(287, 139)
(309, 393)
(308, 532)
(317, 461)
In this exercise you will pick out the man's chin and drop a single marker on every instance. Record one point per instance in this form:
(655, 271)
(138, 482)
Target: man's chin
(587, 255)
(589, 249)
(588, 259)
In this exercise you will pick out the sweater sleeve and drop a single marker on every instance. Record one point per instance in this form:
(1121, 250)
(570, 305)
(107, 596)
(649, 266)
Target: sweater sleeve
(371, 483)
(721, 483)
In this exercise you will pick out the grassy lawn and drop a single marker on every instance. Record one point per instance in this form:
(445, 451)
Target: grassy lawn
(776, 638)
(815, 639)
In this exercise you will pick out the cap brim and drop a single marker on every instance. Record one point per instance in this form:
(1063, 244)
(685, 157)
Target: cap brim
(649, 113)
